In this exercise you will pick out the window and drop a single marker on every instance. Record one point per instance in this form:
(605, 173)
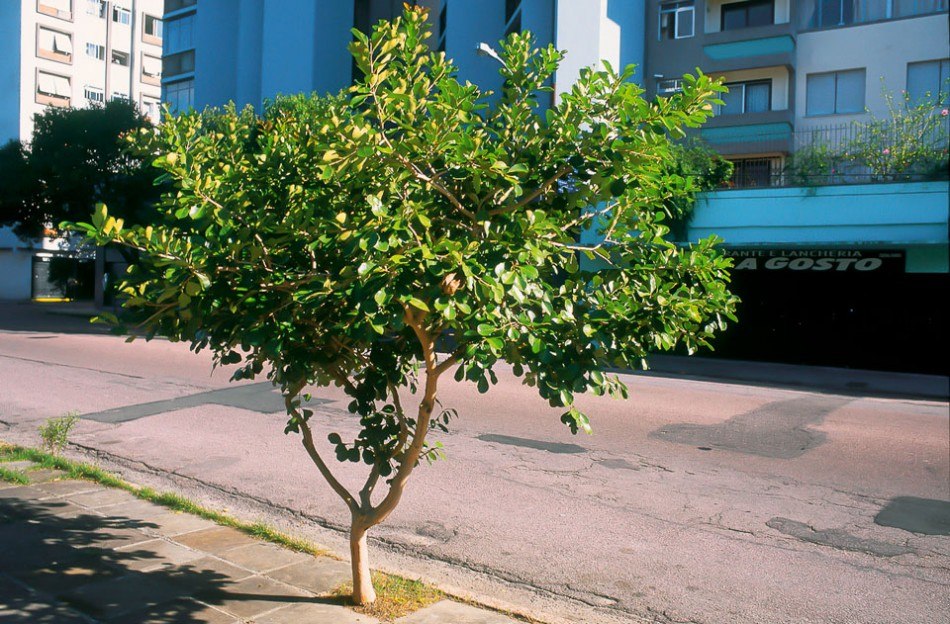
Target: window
(835, 93)
(96, 51)
(747, 14)
(53, 86)
(669, 87)
(175, 5)
(62, 9)
(53, 44)
(928, 80)
(677, 20)
(753, 96)
(152, 108)
(121, 16)
(179, 34)
(835, 13)
(512, 16)
(94, 94)
(120, 58)
(181, 63)
(118, 96)
(151, 68)
(96, 7)
(152, 27)
(180, 95)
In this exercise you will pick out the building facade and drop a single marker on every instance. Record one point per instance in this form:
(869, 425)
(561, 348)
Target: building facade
(840, 269)
(69, 53)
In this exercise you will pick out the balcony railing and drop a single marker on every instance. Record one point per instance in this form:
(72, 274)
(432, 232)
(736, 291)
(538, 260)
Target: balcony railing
(857, 153)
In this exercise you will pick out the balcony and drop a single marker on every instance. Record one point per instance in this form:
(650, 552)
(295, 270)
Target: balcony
(750, 133)
(749, 48)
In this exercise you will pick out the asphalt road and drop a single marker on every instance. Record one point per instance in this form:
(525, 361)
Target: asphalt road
(693, 501)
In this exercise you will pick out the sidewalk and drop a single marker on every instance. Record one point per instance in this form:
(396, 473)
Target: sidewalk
(75, 551)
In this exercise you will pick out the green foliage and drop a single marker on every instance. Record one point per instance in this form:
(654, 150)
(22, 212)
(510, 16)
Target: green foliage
(74, 160)
(55, 432)
(335, 240)
(909, 142)
(704, 170)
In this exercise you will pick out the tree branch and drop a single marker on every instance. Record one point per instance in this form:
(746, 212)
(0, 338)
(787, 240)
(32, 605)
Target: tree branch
(530, 197)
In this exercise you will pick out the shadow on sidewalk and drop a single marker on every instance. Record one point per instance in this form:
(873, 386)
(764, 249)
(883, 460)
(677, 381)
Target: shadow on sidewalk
(58, 559)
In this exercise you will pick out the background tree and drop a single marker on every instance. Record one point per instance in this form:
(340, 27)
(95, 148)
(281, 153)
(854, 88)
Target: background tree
(74, 160)
(337, 241)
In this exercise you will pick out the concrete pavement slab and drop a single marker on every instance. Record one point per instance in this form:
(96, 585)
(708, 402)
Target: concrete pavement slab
(46, 475)
(262, 557)
(447, 611)
(67, 488)
(101, 498)
(156, 553)
(205, 572)
(22, 464)
(113, 597)
(316, 613)
(181, 610)
(216, 540)
(174, 523)
(319, 575)
(252, 596)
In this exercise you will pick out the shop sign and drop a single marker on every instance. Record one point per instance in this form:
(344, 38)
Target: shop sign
(830, 260)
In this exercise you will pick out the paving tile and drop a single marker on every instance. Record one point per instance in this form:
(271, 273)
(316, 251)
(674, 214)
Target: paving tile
(206, 572)
(252, 596)
(262, 557)
(215, 540)
(447, 611)
(65, 488)
(20, 464)
(67, 571)
(24, 493)
(114, 597)
(314, 612)
(135, 508)
(45, 475)
(101, 498)
(174, 523)
(319, 575)
(180, 610)
(155, 553)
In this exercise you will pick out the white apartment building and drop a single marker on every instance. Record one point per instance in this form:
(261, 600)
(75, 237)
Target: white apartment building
(69, 53)
(73, 53)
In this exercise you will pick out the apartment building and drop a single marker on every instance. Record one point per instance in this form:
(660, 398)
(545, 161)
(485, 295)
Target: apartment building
(69, 53)
(795, 67)
(247, 51)
(839, 270)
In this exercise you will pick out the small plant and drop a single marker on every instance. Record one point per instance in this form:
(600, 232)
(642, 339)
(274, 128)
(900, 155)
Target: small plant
(55, 432)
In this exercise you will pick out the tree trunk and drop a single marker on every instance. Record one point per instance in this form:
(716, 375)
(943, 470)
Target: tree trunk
(363, 592)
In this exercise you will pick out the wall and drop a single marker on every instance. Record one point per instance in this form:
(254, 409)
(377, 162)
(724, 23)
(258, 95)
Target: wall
(10, 70)
(895, 44)
(15, 267)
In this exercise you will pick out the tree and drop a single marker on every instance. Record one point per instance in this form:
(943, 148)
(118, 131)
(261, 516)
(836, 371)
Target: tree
(338, 240)
(74, 161)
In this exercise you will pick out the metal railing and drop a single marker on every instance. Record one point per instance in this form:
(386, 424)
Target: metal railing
(856, 153)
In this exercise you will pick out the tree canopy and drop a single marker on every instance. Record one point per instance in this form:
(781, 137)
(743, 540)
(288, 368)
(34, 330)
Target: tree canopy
(415, 225)
(74, 160)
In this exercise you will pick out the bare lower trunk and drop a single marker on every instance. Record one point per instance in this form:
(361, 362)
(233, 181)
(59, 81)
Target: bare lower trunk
(363, 592)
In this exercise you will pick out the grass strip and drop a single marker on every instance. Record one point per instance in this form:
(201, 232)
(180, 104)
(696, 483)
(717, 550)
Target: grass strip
(14, 476)
(88, 472)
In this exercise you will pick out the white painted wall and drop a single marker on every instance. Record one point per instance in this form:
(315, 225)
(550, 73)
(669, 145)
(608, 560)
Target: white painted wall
(884, 49)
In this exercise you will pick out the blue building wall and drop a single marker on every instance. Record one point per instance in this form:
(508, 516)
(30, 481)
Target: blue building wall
(9, 70)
